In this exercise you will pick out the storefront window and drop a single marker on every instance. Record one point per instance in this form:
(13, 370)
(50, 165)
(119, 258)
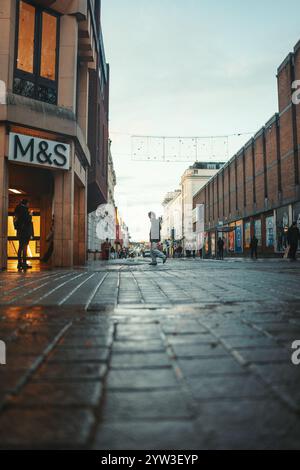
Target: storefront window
(270, 231)
(231, 240)
(36, 55)
(48, 54)
(247, 234)
(213, 244)
(257, 231)
(26, 37)
(206, 243)
(239, 237)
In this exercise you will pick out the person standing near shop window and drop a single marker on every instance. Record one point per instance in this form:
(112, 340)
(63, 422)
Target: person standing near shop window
(220, 245)
(24, 227)
(253, 246)
(293, 237)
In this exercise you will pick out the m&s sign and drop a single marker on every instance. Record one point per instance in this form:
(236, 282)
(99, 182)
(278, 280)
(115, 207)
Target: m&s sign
(39, 152)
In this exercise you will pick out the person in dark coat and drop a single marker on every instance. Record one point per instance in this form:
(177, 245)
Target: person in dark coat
(24, 227)
(106, 246)
(253, 247)
(220, 245)
(293, 237)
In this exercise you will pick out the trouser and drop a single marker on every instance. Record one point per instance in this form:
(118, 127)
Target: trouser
(22, 251)
(293, 251)
(156, 253)
(221, 253)
(254, 252)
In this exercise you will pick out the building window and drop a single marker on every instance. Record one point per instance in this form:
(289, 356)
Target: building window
(36, 67)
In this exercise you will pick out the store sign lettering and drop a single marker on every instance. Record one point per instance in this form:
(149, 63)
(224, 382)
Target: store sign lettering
(40, 152)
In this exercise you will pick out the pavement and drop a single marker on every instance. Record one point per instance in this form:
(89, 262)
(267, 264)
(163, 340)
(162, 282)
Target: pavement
(122, 355)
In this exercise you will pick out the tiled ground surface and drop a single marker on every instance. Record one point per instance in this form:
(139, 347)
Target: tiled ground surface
(190, 355)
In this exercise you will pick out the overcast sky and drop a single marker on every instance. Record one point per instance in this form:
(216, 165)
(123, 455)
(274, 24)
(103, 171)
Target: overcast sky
(188, 68)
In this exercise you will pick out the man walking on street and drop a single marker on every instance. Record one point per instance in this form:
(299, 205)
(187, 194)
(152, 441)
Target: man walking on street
(221, 248)
(293, 237)
(24, 228)
(253, 246)
(155, 239)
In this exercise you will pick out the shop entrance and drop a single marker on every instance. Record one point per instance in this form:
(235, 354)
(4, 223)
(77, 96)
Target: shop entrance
(36, 185)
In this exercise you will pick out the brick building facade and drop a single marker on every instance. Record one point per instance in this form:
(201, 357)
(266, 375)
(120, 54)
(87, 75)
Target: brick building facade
(257, 191)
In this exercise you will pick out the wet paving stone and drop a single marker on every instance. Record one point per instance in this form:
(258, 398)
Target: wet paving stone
(87, 355)
(47, 428)
(159, 404)
(85, 394)
(210, 366)
(150, 346)
(161, 434)
(216, 388)
(141, 379)
(69, 372)
(199, 350)
(140, 361)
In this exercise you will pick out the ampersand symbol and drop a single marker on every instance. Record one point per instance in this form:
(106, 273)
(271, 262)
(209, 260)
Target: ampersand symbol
(42, 156)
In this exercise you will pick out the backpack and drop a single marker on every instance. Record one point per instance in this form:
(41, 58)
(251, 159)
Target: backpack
(17, 224)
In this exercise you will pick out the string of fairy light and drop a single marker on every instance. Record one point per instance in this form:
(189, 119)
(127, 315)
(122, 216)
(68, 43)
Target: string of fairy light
(180, 148)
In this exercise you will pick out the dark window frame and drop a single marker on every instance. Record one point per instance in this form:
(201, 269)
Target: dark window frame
(35, 78)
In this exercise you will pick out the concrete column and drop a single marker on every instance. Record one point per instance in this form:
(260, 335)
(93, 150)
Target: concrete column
(67, 86)
(83, 99)
(80, 225)
(3, 199)
(82, 247)
(64, 218)
(7, 41)
(46, 219)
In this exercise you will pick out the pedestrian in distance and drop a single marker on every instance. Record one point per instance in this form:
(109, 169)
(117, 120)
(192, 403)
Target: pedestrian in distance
(24, 227)
(220, 245)
(155, 239)
(253, 247)
(293, 237)
(105, 248)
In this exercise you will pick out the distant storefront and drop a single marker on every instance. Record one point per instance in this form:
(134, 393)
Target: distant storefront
(247, 234)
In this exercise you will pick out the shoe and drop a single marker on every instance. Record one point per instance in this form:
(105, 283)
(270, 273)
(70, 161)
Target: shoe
(164, 260)
(152, 264)
(20, 267)
(26, 266)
